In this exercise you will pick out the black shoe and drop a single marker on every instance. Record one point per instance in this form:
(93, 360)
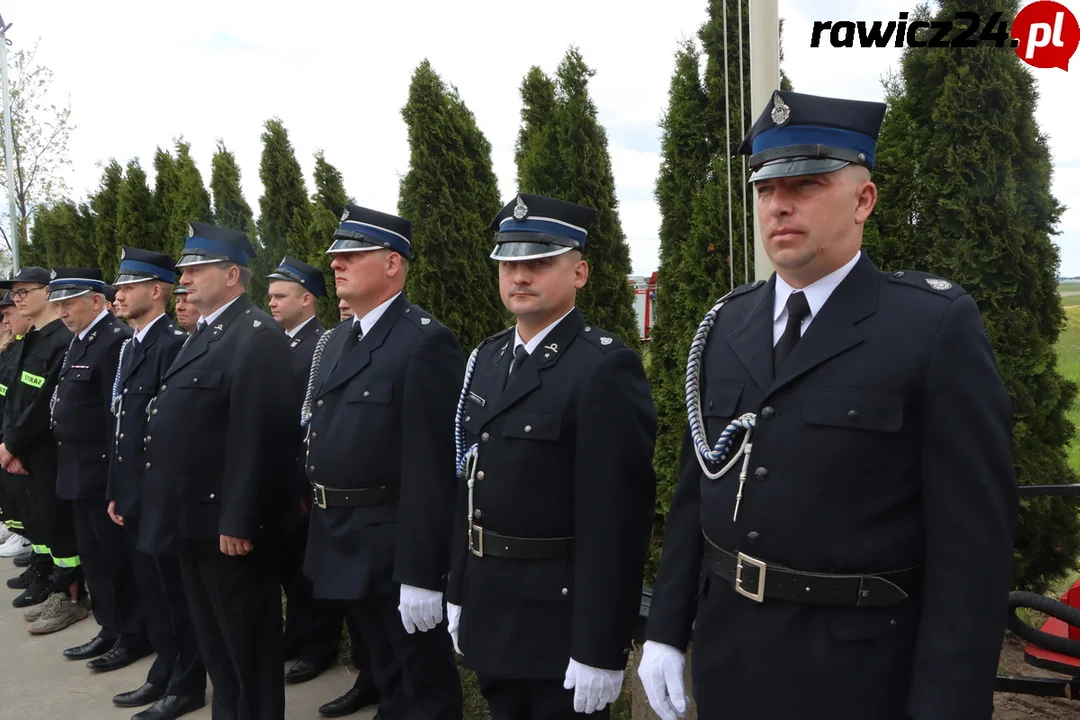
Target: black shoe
(171, 707)
(117, 658)
(22, 581)
(23, 559)
(360, 696)
(38, 592)
(95, 648)
(147, 694)
(303, 671)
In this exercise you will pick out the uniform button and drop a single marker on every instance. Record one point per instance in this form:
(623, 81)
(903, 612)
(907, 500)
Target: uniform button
(311, 468)
(767, 412)
(899, 274)
(565, 592)
(125, 391)
(480, 475)
(119, 459)
(148, 439)
(319, 404)
(121, 436)
(123, 413)
(485, 437)
(154, 411)
(104, 457)
(853, 415)
(761, 473)
(753, 537)
(314, 435)
(195, 381)
(468, 418)
(58, 443)
(367, 393)
(528, 428)
(477, 514)
(148, 466)
(588, 329)
(211, 496)
(163, 388)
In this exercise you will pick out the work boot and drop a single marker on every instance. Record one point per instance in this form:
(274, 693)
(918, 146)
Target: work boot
(35, 611)
(63, 614)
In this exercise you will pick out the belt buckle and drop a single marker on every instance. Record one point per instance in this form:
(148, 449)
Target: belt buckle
(319, 493)
(758, 596)
(479, 532)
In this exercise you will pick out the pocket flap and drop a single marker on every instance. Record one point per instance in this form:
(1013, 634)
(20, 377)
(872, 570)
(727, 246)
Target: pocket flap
(532, 426)
(381, 393)
(79, 375)
(721, 399)
(551, 580)
(856, 408)
(200, 378)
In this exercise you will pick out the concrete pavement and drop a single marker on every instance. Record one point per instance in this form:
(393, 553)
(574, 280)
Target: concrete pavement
(37, 683)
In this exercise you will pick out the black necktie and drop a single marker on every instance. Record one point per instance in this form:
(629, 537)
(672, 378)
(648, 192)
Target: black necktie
(797, 309)
(520, 356)
(356, 332)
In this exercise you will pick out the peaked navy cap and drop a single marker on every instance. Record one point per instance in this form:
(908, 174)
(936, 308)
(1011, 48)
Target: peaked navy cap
(298, 271)
(138, 265)
(799, 134)
(533, 226)
(362, 229)
(209, 244)
(68, 282)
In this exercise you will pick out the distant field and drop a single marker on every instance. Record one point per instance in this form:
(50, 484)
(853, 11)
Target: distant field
(1071, 286)
(1068, 349)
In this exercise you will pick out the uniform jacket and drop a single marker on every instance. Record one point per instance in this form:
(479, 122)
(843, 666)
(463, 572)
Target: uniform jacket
(82, 417)
(26, 413)
(141, 369)
(220, 436)
(384, 417)
(302, 347)
(9, 357)
(883, 444)
(564, 450)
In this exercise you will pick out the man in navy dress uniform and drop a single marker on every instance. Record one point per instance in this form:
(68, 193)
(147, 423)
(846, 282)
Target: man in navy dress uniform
(854, 560)
(555, 510)
(176, 682)
(380, 460)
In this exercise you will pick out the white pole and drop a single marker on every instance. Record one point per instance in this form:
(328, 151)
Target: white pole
(764, 79)
(9, 150)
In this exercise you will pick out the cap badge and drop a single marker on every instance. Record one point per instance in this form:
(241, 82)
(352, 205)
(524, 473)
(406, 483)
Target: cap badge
(939, 284)
(123, 253)
(52, 275)
(781, 113)
(190, 230)
(345, 215)
(521, 210)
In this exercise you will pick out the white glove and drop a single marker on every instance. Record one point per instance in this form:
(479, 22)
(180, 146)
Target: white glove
(453, 617)
(594, 689)
(661, 672)
(420, 609)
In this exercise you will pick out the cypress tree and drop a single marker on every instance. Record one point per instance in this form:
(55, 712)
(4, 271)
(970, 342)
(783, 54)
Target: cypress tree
(964, 176)
(165, 184)
(231, 210)
(63, 236)
(284, 210)
(450, 194)
(188, 200)
(135, 222)
(685, 153)
(562, 153)
(329, 186)
(104, 203)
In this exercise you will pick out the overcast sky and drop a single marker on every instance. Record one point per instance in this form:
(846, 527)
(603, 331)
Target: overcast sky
(140, 74)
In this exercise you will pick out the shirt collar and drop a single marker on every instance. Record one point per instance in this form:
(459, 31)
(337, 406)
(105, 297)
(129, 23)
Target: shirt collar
(368, 321)
(141, 334)
(816, 292)
(531, 346)
(292, 333)
(88, 328)
(217, 313)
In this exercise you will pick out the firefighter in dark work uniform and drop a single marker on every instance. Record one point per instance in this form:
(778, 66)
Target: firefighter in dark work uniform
(176, 682)
(854, 559)
(29, 451)
(380, 433)
(556, 505)
(13, 504)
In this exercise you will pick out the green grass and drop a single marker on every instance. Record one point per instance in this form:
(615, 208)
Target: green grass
(1071, 286)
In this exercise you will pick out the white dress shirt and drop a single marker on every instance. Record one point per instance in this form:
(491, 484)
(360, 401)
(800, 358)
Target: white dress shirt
(141, 335)
(298, 328)
(217, 313)
(368, 321)
(531, 346)
(88, 328)
(816, 293)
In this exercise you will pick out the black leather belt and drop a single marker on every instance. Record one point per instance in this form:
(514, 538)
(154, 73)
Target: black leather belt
(758, 580)
(484, 542)
(326, 497)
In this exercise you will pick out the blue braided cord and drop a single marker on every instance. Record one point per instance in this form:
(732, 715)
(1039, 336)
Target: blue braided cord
(116, 382)
(316, 361)
(56, 388)
(461, 454)
(719, 452)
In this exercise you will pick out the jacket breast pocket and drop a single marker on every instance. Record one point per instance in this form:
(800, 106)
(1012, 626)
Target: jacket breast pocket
(379, 393)
(533, 426)
(719, 403)
(79, 375)
(199, 379)
(855, 408)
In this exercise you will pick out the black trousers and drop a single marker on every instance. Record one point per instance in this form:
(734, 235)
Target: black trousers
(312, 626)
(163, 607)
(415, 674)
(53, 525)
(236, 611)
(531, 699)
(110, 580)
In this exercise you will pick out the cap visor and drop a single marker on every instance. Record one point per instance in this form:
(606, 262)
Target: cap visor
(517, 252)
(132, 279)
(349, 245)
(795, 167)
(188, 260)
(67, 293)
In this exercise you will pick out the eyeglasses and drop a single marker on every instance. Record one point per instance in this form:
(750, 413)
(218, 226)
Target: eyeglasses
(21, 294)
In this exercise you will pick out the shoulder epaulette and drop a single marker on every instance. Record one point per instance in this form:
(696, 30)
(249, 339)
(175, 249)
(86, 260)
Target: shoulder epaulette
(496, 336)
(601, 338)
(926, 282)
(743, 289)
(420, 317)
